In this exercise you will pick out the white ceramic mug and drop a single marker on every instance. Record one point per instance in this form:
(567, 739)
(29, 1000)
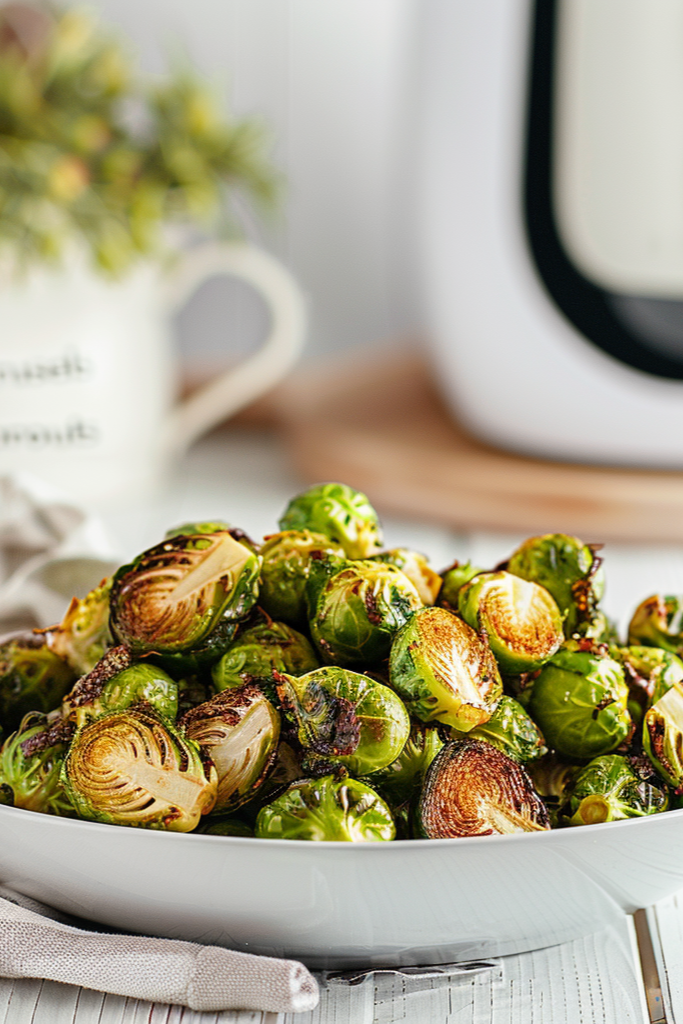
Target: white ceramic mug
(87, 377)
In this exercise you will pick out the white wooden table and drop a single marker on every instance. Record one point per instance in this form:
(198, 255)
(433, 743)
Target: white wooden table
(243, 477)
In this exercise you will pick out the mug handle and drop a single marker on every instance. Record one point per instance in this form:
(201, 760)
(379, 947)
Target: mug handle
(241, 384)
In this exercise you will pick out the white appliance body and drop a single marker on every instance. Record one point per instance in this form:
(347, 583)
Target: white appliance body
(514, 365)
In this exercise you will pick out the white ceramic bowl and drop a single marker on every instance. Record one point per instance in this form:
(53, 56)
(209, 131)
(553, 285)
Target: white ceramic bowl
(347, 904)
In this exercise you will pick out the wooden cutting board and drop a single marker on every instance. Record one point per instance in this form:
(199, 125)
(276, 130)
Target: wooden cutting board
(381, 426)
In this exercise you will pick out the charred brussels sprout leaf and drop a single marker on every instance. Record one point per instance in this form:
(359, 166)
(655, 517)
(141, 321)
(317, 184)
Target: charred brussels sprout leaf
(580, 702)
(452, 580)
(239, 731)
(416, 567)
(258, 651)
(473, 789)
(31, 762)
(32, 678)
(173, 595)
(608, 789)
(658, 622)
(346, 718)
(329, 810)
(520, 618)
(569, 569)
(83, 635)
(286, 565)
(131, 768)
(443, 671)
(511, 730)
(105, 689)
(358, 610)
(400, 779)
(663, 736)
(338, 512)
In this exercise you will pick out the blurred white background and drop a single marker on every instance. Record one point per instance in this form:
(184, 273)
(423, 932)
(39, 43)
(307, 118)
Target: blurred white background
(334, 80)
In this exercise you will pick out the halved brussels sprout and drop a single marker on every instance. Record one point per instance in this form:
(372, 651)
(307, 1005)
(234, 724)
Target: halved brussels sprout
(358, 610)
(83, 636)
(286, 565)
(520, 618)
(31, 762)
(32, 678)
(100, 692)
(453, 578)
(131, 768)
(511, 730)
(663, 736)
(327, 810)
(579, 701)
(403, 777)
(649, 672)
(608, 789)
(173, 595)
(569, 569)
(346, 718)
(474, 789)
(418, 570)
(443, 671)
(658, 622)
(239, 731)
(340, 513)
(257, 651)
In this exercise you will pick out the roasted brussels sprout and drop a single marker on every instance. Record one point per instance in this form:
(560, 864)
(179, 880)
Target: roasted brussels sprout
(658, 622)
(474, 789)
(30, 765)
(173, 595)
(338, 512)
(418, 570)
(284, 573)
(607, 789)
(358, 610)
(520, 618)
(511, 730)
(327, 809)
(131, 768)
(403, 777)
(239, 731)
(453, 579)
(257, 651)
(579, 701)
(663, 736)
(105, 689)
(32, 678)
(569, 569)
(443, 671)
(649, 673)
(346, 718)
(83, 635)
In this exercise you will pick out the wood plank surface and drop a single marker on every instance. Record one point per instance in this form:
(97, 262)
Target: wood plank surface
(382, 427)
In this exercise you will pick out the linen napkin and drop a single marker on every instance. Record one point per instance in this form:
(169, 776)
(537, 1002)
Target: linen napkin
(33, 945)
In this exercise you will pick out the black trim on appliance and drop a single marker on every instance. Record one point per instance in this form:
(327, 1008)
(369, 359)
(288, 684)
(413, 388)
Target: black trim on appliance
(594, 311)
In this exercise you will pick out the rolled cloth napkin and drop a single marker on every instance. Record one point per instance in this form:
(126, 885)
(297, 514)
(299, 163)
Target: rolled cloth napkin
(158, 970)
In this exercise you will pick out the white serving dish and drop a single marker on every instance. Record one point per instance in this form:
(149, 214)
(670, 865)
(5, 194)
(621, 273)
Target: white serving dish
(345, 904)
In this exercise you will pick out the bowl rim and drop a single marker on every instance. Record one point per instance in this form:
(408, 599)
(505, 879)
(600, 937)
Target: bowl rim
(581, 834)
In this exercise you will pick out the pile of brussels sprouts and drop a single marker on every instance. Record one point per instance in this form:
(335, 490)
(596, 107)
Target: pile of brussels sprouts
(318, 687)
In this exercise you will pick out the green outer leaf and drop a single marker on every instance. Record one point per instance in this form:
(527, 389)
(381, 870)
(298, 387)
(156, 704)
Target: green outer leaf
(579, 701)
(327, 810)
(453, 579)
(381, 714)
(258, 651)
(443, 671)
(340, 513)
(287, 558)
(400, 780)
(511, 730)
(607, 789)
(140, 682)
(359, 610)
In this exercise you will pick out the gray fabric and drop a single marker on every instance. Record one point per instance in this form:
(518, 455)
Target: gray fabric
(157, 970)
